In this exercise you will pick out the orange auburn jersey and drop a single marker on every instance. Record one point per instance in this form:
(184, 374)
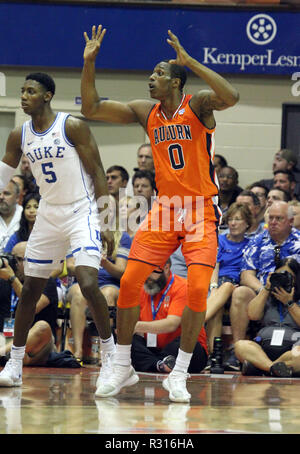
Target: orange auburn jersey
(183, 153)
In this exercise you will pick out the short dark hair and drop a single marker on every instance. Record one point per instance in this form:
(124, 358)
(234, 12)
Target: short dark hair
(122, 170)
(251, 194)
(144, 174)
(44, 79)
(178, 72)
(258, 184)
(286, 195)
(290, 175)
(223, 161)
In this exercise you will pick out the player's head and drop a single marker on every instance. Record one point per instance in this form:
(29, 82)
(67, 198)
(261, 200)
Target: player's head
(43, 79)
(37, 92)
(165, 78)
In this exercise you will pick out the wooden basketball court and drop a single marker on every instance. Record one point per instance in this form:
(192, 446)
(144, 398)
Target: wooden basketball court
(62, 401)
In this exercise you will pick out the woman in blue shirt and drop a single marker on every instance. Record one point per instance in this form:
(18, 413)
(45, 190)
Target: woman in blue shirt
(226, 274)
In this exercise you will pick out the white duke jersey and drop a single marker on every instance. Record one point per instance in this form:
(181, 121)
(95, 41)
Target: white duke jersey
(55, 163)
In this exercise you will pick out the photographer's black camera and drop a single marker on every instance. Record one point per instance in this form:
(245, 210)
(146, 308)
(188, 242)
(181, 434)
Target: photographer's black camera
(10, 259)
(284, 280)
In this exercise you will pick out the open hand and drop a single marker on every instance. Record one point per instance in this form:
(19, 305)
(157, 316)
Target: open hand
(92, 45)
(182, 56)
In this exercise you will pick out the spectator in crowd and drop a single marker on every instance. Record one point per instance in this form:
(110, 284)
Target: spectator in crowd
(117, 179)
(144, 162)
(279, 241)
(285, 180)
(219, 163)
(275, 195)
(261, 192)
(144, 185)
(11, 284)
(277, 307)
(157, 333)
(30, 206)
(127, 207)
(229, 189)
(10, 212)
(252, 201)
(226, 275)
(285, 160)
(295, 204)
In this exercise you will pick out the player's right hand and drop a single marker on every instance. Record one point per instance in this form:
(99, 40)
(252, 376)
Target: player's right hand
(92, 45)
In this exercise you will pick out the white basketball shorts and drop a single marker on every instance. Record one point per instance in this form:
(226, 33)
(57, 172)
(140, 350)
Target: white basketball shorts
(59, 229)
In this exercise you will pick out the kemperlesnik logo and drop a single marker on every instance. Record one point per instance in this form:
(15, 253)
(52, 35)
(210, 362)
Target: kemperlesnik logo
(261, 29)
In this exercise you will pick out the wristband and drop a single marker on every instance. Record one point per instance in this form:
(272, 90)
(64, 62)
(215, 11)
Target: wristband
(290, 303)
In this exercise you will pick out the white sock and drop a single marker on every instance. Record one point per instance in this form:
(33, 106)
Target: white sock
(17, 352)
(123, 355)
(107, 345)
(182, 361)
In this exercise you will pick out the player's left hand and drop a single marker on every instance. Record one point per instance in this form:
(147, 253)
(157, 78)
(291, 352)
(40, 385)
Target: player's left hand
(182, 56)
(108, 241)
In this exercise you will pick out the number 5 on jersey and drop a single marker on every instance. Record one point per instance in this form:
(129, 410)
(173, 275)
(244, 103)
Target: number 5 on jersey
(49, 173)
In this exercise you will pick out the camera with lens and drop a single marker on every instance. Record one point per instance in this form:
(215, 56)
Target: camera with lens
(10, 259)
(284, 280)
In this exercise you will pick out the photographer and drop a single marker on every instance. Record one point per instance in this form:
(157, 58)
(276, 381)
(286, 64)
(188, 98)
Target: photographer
(275, 349)
(41, 337)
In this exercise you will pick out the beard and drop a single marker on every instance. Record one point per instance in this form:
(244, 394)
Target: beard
(152, 287)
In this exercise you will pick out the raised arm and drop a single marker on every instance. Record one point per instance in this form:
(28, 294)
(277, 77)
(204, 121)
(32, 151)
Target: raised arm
(92, 106)
(222, 94)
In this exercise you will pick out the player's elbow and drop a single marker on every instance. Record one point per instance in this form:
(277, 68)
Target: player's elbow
(234, 98)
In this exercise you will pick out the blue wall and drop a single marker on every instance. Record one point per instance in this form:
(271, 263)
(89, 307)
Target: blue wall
(52, 35)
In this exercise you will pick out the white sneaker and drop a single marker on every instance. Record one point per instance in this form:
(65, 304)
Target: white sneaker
(106, 368)
(175, 384)
(120, 377)
(11, 375)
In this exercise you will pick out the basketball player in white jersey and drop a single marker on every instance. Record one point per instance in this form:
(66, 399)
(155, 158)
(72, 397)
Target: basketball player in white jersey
(66, 165)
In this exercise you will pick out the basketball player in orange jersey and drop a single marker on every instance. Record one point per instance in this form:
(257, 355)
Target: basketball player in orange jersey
(181, 132)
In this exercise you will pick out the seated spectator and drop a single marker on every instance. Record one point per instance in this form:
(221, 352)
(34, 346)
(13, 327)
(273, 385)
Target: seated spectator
(144, 163)
(144, 186)
(261, 192)
(226, 275)
(284, 159)
(157, 334)
(252, 201)
(117, 179)
(279, 241)
(277, 307)
(30, 206)
(39, 345)
(285, 180)
(109, 275)
(11, 284)
(229, 189)
(219, 163)
(10, 212)
(276, 195)
(296, 213)
(25, 170)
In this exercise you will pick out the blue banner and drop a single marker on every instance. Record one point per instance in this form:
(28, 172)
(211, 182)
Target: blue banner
(226, 40)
